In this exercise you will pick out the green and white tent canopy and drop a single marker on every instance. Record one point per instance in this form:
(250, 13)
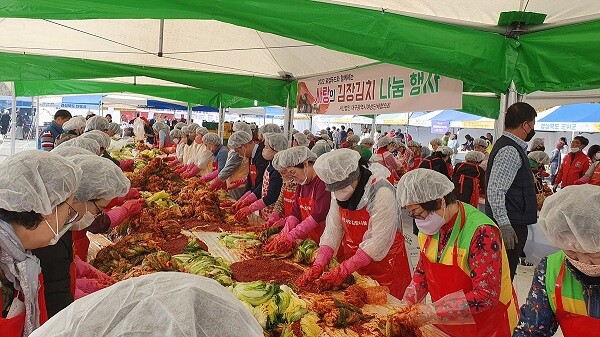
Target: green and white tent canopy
(243, 48)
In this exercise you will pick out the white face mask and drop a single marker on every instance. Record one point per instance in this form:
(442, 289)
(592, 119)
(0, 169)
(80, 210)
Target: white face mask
(86, 220)
(574, 149)
(432, 223)
(597, 156)
(58, 233)
(344, 194)
(176, 140)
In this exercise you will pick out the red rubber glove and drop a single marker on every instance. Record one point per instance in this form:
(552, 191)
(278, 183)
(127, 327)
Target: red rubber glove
(133, 193)
(134, 207)
(127, 165)
(281, 244)
(191, 172)
(333, 278)
(209, 177)
(243, 213)
(175, 163)
(169, 158)
(310, 275)
(217, 184)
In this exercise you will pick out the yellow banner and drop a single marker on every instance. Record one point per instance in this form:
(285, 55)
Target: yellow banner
(478, 124)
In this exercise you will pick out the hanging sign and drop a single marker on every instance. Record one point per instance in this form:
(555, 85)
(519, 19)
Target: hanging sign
(439, 127)
(378, 89)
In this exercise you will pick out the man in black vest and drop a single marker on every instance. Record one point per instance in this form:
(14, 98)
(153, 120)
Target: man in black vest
(511, 199)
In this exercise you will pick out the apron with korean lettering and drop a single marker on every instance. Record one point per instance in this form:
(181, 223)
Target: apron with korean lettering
(13, 327)
(306, 209)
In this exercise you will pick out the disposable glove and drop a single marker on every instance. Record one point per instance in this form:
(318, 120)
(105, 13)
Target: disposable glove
(508, 236)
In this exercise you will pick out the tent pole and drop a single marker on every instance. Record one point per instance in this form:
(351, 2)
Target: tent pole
(221, 120)
(506, 100)
(37, 117)
(373, 126)
(13, 120)
(189, 116)
(287, 119)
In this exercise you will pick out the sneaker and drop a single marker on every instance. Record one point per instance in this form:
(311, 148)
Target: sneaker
(524, 262)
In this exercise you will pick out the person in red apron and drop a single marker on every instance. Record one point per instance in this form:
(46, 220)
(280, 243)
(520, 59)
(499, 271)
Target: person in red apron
(462, 265)
(384, 157)
(162, 135)
(565, 291)
(363, 225)
(32, 216)
(101, 182)
(241, 142)
(468, 178)
(592, 175)
(310, 204)
(271, 183)
(415, 147)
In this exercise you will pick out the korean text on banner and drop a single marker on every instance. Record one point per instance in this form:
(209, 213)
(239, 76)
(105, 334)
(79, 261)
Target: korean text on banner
(378, 89)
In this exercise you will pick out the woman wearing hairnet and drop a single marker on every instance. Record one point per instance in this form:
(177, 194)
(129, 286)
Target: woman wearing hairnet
(233, 175)
(299, 139)
(97, 123)
(35, 210)
(114, 130)
(463, 264)
(271, 182)
(100, 182)
(88, 144)
(103, 139)
(565, 290)
(202, 159)
(362, 225)
(365, 148)
(310, 203)
(162, 135)
(437, 161)
(71, 129)
(212, 141)
(418, 156)
(469, 178)
(384, 156)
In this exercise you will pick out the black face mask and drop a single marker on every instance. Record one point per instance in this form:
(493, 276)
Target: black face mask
(530, 135)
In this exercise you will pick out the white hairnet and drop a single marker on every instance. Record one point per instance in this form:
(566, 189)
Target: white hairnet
(101, 179)
(179, 125)
(412, 143)
(353, 139)
(321, 147)
(276, 141)
(176, 133)
(75, 123)
(326, 137)
(89, 144)
(102, 138)
(445, 150)
(114, 127)
(202, 131)
(569, 219)
(300, 138)
(474, 156)
(160, 125)
(97, 123)
(37, 181)
(539, 157)
(367, 141)
(337, 165)
(422, 185)
(185, 130)
(241, 126)
(271, 128)
(383, 142)
(238, 139)
(306, 132)
(194, 127)
(536, 143)
(211, 139)
(69, 151)
(292, 157)
(156, 305)
(436, 141)
(480, 142)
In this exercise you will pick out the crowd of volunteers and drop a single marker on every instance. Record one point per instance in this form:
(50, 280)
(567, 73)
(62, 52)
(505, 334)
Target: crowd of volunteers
(348, 195)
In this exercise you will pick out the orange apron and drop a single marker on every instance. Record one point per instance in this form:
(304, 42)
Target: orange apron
(393, 270)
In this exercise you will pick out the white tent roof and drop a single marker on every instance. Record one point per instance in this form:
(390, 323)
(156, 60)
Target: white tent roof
(202, 45)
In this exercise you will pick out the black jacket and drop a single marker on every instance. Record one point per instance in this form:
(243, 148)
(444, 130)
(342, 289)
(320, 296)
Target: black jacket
(436, 163)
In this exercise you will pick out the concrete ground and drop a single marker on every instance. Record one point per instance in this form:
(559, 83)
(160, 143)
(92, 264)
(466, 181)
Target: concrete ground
(20, 145)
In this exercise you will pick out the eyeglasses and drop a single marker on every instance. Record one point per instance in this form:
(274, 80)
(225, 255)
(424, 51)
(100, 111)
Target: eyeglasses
(72, 216)
(418, 215)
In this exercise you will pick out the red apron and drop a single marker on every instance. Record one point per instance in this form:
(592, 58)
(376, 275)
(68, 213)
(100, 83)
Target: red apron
(306, 208)
(13, 327)
(572, 325)
(450, 171)
(289, 197)
(475, 194)
(215, 165)
(253, 173)
(596, 176)
(444, 279)
(81, 244)
(393, 270)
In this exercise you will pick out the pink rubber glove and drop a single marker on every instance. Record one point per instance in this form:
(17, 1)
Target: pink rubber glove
(280, 222)
(133, 193)
(272, 219)
(217, 184)
(247, 200)
(191, 172)
(301, 230)
(119, 214)
(582, 180)
(310, 275)
(245, 211)
(208, 177)
(337, 276)
(290, 223)
(169, 158)
(237, 184)
(174, 163)
(242, 214)
(181, 169)
(324, 255)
